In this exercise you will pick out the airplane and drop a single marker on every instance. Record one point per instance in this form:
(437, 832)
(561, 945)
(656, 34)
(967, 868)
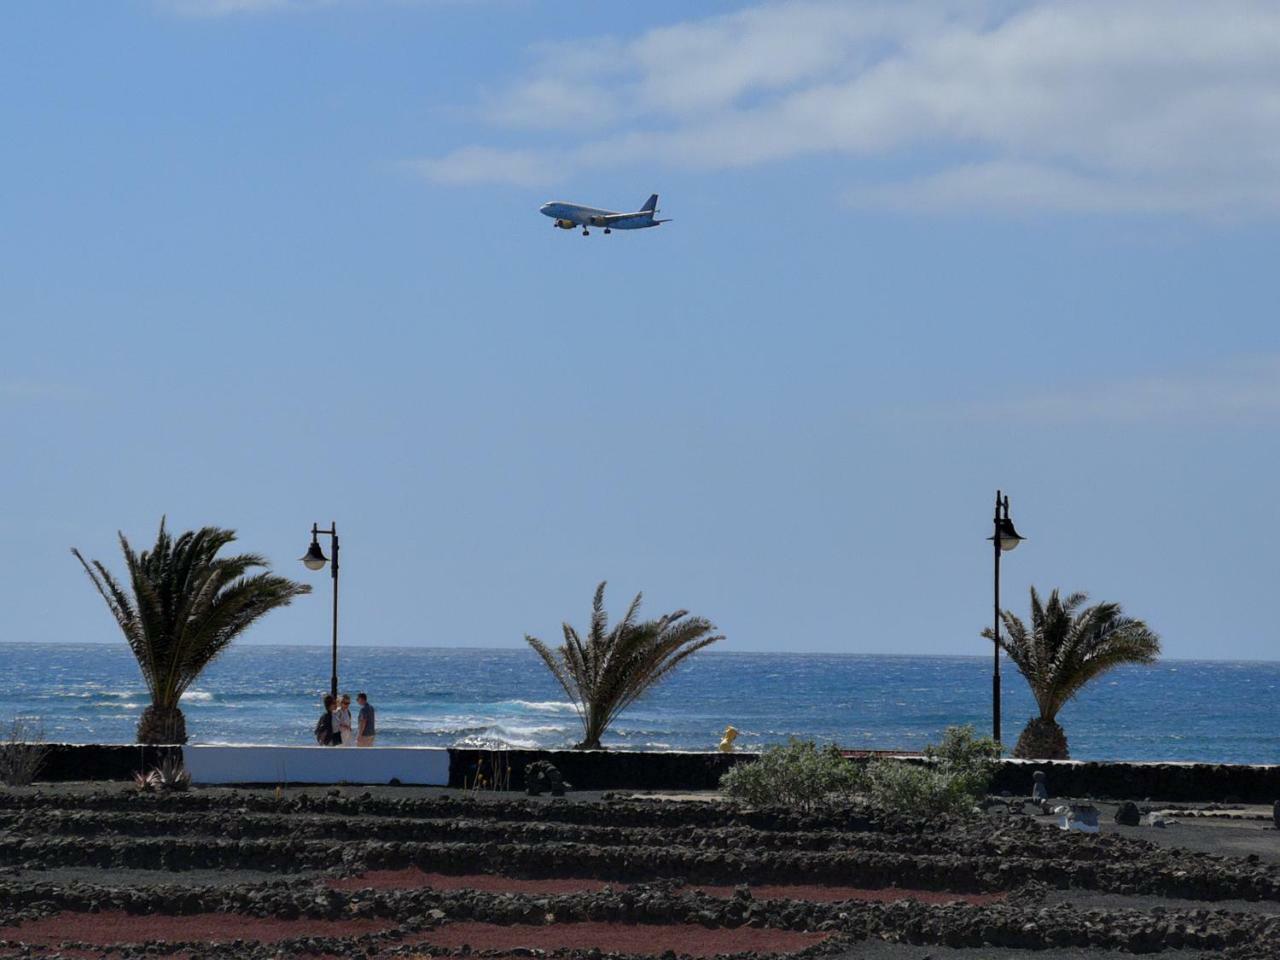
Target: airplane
(570, 215)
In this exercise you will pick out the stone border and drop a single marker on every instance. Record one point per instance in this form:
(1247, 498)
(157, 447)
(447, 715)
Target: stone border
(674, 770)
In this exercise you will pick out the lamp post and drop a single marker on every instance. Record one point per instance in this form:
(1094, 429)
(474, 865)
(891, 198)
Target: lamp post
(315, 560)
(1004, 537)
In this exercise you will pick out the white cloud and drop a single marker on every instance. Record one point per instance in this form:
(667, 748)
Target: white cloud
(1244, 392)
(1011, 186)
(1111, 105)
(524, 168)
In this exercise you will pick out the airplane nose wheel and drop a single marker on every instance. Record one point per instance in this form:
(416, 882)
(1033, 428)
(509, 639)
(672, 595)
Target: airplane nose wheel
(586, 232)
(607, 230)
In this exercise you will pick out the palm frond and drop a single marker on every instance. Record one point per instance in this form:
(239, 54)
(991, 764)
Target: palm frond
(1070, 644)
(616, 666)
(184, 605)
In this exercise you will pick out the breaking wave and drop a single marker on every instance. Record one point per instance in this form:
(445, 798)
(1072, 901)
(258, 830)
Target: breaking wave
(545, 706)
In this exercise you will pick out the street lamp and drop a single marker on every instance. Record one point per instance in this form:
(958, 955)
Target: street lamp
(1004, 538)
(314, 559)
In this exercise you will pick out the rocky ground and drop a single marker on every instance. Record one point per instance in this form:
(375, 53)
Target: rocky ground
(92, 872)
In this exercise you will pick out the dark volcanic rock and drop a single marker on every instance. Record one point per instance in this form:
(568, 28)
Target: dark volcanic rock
(541, 777)
(1128, 815)
(666, 851)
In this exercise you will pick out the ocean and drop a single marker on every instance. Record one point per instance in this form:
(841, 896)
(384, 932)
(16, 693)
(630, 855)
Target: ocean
(1214, 711)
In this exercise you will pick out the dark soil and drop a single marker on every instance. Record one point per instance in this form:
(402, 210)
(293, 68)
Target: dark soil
(684, 939)
(413, 878)
(113, 928)
(393, 872)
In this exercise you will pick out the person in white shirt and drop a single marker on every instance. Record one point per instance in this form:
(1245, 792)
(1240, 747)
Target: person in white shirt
(342, 721)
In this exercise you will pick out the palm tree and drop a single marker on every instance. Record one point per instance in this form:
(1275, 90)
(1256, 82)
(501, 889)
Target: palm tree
(184, 606)
(607, 673)
(1066, 648)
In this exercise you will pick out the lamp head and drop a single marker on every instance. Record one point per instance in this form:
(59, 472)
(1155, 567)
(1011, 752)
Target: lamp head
(1009, 537)
(315, 558)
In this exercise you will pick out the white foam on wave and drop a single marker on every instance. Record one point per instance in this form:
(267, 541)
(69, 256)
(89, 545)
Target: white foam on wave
(545, 706)
(198, 696)
(516, 730)
(486, 742)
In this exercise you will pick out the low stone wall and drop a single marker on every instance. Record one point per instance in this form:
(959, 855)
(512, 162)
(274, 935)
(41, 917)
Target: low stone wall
(678, 771)
(598, 769)
(1178, 782)
(94, 761)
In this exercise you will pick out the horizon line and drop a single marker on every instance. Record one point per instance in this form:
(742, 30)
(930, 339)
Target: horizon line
(796, 653)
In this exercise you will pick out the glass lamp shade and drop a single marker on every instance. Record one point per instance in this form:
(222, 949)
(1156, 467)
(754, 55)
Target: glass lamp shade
(1009, 537)
(315, 558)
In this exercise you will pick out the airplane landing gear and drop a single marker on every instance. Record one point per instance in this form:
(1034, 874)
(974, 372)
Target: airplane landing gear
(586, 232)
(607, 230)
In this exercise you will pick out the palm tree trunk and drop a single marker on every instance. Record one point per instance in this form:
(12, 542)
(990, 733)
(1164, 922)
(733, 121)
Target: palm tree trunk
(162, 725)
(1042, 739)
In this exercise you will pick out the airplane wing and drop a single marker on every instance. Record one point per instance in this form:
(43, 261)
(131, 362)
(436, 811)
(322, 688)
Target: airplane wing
(615, 217)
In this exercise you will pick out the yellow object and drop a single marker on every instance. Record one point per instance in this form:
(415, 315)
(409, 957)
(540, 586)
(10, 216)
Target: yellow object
(726, 744)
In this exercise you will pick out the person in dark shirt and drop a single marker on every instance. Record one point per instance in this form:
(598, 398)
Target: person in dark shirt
(366, 727)
(326, 736)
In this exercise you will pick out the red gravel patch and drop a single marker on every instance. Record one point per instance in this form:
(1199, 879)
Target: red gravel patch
(412, 877)
(648, 939)
(114, 928)
(109, 928)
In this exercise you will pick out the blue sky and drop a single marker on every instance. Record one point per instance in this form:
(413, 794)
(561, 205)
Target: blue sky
(264, 263)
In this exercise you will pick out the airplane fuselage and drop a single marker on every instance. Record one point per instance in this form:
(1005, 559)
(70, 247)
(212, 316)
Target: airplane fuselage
(570, 215)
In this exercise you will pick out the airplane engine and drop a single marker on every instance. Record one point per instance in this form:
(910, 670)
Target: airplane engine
(565, 224)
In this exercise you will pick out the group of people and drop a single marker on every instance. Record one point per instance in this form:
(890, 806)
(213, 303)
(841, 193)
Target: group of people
(335, 728)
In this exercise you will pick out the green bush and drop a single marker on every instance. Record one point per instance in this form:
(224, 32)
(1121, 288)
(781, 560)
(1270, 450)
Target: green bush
(805, 777)
(956, 777)
(800, 775)
(971, 760)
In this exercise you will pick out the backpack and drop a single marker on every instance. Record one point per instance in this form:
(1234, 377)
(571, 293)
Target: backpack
(324, 729)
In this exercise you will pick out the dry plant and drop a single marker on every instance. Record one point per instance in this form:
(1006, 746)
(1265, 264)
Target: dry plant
(169, 776)
(498, 775)
(22, 752)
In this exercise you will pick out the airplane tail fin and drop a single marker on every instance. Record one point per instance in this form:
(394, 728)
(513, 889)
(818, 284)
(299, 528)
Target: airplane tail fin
(650, 205)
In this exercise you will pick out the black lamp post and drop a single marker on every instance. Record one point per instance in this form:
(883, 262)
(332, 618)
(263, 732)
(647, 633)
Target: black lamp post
(315, 560)
(1005, 537)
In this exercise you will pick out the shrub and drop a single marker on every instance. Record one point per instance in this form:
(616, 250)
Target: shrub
(971, 759)
(956, 776)
(800, 775)
(22, 752)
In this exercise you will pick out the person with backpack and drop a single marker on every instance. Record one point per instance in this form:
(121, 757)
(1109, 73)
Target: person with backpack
(326, 735)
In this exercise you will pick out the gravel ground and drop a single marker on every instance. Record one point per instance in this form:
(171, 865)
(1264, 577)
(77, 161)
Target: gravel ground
(1092, 900)
(873, 950)
(1220, 837)
(123, 877)
(241, 863)
(84, 788)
